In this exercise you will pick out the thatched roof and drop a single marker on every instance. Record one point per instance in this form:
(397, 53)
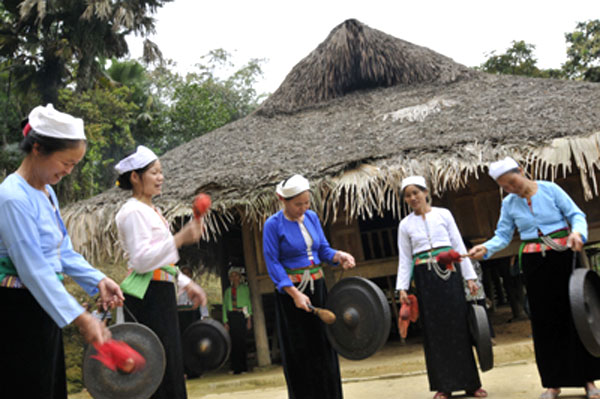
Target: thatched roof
(356, 57)
(355, 116)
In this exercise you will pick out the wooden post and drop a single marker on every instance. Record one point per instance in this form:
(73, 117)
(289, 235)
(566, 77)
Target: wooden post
(260, 328)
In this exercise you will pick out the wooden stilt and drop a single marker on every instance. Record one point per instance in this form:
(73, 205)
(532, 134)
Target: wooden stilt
(260, 328)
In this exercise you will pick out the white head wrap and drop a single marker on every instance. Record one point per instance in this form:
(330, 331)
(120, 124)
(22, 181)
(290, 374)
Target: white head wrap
(235, 269)
(140, 158)
(418, 181)
(292, 186)
(46, 121)
(499, 168)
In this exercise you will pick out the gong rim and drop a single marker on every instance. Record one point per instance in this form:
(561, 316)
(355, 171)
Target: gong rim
(206, 346)
(584, 296)
(103, 383)
(363, 318)
(480, 332)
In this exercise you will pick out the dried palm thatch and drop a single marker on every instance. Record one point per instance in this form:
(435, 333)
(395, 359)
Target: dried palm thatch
(356, 57)
(448, 123)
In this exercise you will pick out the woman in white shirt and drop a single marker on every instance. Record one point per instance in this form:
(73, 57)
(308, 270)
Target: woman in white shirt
(423, 234)
(152, 252)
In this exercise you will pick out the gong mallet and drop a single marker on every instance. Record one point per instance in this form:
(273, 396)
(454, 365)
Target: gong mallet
(326, 316)
(448, 257)
(119, 355)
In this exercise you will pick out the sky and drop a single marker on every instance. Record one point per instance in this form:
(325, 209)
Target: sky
(283, 32)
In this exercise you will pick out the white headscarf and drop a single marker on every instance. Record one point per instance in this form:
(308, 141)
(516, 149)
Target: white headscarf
(418, 181)
(499, 168)
(46, 121)
(235, 269)
(140, 158)
(292, 186)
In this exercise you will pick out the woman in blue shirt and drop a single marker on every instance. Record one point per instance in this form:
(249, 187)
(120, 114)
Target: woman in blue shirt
(35, 252)
(540, 211)
(294, 247)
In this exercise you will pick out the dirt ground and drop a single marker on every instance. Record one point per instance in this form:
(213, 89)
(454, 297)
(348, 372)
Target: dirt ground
(514, 381)
(398, 370)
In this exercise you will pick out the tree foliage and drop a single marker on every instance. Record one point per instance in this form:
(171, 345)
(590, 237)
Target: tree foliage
(583, 57)
(517, 60)
(108, 114)
(55, 42)
(202, 101)
(13, 106)
(583, 52)
(131, 105)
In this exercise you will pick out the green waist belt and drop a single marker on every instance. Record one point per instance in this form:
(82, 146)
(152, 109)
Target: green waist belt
(136, 284)
(7, 268)
(301, 270)
(433, 252)
(556, 234)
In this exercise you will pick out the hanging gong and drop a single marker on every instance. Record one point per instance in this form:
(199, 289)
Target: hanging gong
(363, 318)
(103, 383)
(584, 295)
(206, 346)
(480, 333)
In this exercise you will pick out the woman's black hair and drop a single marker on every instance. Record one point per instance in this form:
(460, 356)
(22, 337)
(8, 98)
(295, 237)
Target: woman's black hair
(124, 180)
(47, 145)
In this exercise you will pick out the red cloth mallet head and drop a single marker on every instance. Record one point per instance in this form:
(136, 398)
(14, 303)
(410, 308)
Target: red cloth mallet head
(201, 205)
(447, 257)
(118, 354)
(408, 313)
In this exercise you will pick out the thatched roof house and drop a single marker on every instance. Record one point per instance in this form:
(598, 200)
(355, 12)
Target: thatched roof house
(359, 113)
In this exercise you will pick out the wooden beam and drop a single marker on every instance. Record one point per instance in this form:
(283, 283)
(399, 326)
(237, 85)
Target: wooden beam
(260, 328)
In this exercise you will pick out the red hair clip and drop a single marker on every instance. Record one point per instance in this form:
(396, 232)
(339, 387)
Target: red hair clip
(26, 129)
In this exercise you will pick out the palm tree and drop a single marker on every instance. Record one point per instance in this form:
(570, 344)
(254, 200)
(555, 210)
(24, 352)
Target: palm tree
(66, 40)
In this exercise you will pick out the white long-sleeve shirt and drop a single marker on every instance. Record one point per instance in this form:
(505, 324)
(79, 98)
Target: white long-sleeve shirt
(147, 239)
(417, 234)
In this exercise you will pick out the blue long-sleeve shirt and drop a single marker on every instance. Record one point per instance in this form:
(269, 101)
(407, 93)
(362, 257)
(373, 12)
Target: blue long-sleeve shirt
(551, 206)
(284, 246)
(33, 237)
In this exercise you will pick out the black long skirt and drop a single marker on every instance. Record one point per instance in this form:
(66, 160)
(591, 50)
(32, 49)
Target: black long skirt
(237, 330)
(310, 364)
(32, 361)
(561, 358)
(158, 311)
(447, 341)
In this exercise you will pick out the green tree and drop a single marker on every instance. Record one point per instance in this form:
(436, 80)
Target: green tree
(518, 60)
(132, 74)
(108, 114)
(583, 52)
(203, 101)
(151, 103)
(12, 107)
(54, 42)
(131, 104)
